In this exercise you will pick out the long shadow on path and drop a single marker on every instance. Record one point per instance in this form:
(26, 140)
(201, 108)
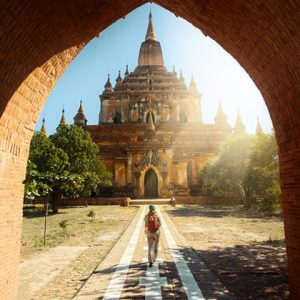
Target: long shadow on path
(217, 211)
(255, 271)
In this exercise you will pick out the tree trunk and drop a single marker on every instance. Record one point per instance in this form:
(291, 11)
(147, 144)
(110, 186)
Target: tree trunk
(243, 194)
(55, 197)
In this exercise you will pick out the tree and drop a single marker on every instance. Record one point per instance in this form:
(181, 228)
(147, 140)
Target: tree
(262, 175)
(33, 186)
(83, 156)
(66, 164)
(247, 165)
(45, 156)
(225, 173)
(48, 171)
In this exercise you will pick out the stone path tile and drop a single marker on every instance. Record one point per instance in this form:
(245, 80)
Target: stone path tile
(96, 285)
(167, 279)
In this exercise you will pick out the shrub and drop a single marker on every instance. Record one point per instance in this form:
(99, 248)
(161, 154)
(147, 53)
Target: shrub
(91, 214)
(63, 224)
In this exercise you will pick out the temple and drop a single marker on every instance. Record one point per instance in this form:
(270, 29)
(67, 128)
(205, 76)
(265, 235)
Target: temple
(150, 133)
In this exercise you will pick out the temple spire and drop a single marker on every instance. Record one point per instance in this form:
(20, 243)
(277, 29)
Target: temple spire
(43, 128)
(150, 35)
(181, 78)
(193, 85)
(221, 118)
(80, 119)
(108, 86)
(239, 126)
(258, 127)
(63, 119)
(150, 50)
(80, 107)
(118, 81)
(126, 72)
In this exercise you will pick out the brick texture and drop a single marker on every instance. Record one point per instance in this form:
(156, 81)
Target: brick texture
(40, 38)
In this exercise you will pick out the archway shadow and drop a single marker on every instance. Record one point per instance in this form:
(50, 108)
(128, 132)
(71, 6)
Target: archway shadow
(253, 271)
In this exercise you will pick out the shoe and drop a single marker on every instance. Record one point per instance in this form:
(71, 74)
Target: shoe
(150, 264)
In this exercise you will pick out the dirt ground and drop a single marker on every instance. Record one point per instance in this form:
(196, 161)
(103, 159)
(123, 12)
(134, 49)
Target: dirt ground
(80, 229)
(246, 251)
(58, 270)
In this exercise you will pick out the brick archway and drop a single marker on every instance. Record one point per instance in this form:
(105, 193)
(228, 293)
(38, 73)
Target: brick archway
(39, 39)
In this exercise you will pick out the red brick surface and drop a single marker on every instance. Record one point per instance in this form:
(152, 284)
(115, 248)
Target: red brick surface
(40, 38)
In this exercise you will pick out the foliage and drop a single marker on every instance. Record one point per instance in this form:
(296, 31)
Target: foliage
(63, 224)
(82, 156)
(65, 164)
(247, 166)
(91, 214)
(33, 186)
(46, 168)
(225, 173)
(262, 176)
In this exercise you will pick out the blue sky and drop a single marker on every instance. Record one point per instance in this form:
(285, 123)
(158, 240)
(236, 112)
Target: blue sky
(217, 74)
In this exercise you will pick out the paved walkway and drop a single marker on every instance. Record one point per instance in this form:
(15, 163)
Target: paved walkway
(178, 274)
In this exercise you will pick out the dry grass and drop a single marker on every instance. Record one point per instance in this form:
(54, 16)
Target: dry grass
(76, 227)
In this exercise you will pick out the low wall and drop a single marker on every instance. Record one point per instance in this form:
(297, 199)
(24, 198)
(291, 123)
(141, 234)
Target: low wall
(207, 201)
(124, 201)
(82, 201)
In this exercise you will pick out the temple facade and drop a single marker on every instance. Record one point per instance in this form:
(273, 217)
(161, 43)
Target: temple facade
(150, 133)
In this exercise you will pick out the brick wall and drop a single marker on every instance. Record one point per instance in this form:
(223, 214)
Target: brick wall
(39, 39)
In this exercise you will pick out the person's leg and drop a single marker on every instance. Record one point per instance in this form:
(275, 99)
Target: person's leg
(150, 249)
(156, 241)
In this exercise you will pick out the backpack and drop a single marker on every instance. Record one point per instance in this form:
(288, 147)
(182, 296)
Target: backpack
(153, 224)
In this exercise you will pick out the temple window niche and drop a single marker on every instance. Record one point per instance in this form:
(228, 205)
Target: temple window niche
(150, 118)
(117, 117)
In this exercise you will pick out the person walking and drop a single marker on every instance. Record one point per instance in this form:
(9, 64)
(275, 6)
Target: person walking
(152, 225)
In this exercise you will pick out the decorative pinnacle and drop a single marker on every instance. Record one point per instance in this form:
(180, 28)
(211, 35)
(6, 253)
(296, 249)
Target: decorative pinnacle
(80, 107)
(193, 83)
(181, 76)
(239, 125)
(150, 35)
(43, 129)
(258, 127)
(62, 119)
(126, 72)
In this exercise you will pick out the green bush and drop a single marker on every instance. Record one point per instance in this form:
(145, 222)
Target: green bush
(63, 224)
(91, 214)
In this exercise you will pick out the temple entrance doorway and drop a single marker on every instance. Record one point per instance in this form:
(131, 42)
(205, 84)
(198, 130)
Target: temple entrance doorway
(151, 184)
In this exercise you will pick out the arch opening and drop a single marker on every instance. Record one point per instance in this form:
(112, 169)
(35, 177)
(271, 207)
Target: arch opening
(151, 184)
(36, 65)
